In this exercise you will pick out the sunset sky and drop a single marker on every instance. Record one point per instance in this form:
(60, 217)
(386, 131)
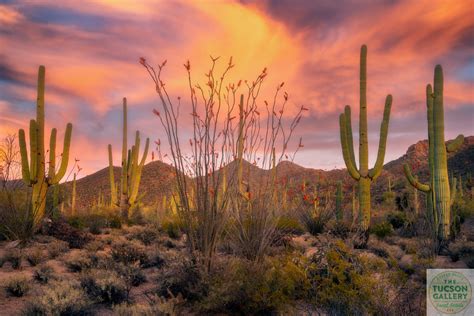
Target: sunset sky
(91, 51)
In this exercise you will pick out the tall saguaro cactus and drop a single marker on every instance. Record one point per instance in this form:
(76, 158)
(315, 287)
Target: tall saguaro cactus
(439, 199)
(364, 176)
(34, 172)
(131, 169)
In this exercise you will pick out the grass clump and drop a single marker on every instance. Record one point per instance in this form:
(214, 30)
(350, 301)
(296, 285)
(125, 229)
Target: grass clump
(43, 274)
(57, 248)
(35, 256)
(104, 285)
(59, 298)
(17, 285)
(14, 256)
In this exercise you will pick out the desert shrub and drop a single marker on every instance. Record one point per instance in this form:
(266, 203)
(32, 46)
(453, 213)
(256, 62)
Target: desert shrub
(96, 223)
(463, 208)
(43, 274)
(14, 256)
(115, 221)
(73, 236)
(35, 256)
(157, 306)
(382, 230)
(16, 220)
(94, 246)
(314, 222)
(59, 298)
(289, 225)
(147, 235)
(131, 274)
(185, 278)
(57, 248)
(17, 285)
(339, 229)
(126, 309)
(105, 285)
(169, 244)
(397, 219)
(171, 227)
(129, 252)
(342, 284)
(77, 222)
(243, 287)
(78, 261)
(155, 259)
(461, 249)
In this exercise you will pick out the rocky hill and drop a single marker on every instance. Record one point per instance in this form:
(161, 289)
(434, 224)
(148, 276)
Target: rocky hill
(158, 177)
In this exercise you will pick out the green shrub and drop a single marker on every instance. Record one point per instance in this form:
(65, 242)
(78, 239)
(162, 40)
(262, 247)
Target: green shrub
(77, 222)
(43, 274)
(129, 252)
(35, 256)
(106, 286)
(57, 248)
(397, 219)
(382, 230)
(59, 298)
(342, 284)
(172, 228)
(14, 256)
(17, 285)
(289, 225)
(243, 287)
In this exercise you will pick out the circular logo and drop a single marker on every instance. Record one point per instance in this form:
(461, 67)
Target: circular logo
(450, 292)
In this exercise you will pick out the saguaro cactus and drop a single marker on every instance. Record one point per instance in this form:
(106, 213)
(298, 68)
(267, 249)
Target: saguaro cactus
(34, 173)
(131, 169)
(339, 201)
(364, 176)
(439, 199)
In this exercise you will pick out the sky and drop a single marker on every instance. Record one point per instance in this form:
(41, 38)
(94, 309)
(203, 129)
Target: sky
(91, 50)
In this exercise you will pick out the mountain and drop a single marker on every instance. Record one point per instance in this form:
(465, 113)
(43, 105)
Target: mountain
(158, 177)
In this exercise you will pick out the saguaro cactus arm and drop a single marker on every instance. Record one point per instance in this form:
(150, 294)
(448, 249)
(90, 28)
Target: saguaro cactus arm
(52, 154)
(455, 144)
(25, 169)
(65, 156)
(413, 181)
(375, 172)
(349, 138)
(346, 151)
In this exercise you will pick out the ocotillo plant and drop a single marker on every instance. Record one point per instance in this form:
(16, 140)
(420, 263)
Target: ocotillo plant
(354, 205)
(438, 192)
(131, 169)
(34, 172)
(339, 201)
(364, 176)
(73, 196)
